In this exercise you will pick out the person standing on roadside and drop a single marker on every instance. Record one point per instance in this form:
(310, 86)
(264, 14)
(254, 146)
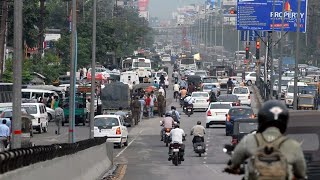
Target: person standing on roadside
(153, 100)
(136, 108)
(142, 104)
(161, 104)
(148, 104)
(59, 117)
(88, 104)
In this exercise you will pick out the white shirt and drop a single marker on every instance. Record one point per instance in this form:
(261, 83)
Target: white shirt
(177, 135)
(176, 87)
(162, 91)
(189, 100)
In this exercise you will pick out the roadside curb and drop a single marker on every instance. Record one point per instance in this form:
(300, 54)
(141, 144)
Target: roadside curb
(258, 97)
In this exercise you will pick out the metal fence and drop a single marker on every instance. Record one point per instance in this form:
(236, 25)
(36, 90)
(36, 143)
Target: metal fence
(17, 158)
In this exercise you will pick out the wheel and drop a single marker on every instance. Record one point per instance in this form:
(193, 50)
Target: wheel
(207, 125)
(249, 83)
(40, 129)
(175, 160)
(126, 143)
(50, 117)
(45, 129)
(188, 115)
(199, 154)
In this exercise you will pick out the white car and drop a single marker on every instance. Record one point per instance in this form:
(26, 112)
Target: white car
(243, 93)
(200, 101)
(39, 112)
(290, 92)
(113, 127)
(250, 78)
(216, 113)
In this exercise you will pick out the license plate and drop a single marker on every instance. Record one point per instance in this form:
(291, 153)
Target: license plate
(175, 150)
(168, 134)
(199, 147)
(189, 110)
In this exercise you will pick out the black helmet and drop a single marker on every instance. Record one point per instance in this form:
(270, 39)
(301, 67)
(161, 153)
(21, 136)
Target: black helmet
(199, 123)
(273, 113)
(168, 114)
(173, 108)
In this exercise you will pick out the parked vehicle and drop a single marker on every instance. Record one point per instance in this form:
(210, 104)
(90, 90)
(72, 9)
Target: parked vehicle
(39, 112)
(250, 78)
(306, 102)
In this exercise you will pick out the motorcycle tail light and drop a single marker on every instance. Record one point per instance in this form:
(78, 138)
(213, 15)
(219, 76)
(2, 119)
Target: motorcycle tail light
(167, 130)
(118, 131)
(209, 113)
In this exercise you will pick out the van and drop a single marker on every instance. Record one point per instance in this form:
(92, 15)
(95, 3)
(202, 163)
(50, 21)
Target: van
(39, 112)
(126, 77)
(59, 90)
(36, 93)
(290, 92)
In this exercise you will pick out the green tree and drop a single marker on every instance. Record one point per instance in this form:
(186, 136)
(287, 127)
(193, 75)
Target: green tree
(26, 75)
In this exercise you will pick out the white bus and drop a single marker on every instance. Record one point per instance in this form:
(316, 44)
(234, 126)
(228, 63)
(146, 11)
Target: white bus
(142, 66)
(188, 63)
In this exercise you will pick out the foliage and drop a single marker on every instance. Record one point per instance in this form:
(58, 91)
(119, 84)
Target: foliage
(8, 73)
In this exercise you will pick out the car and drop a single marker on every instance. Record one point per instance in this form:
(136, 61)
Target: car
(39, 111)
(250, 78)
(50, 114)
(237, 113)
(243, 94)
(200, 73)
(290, 92)
(216, 113)
(228, 98)
(200, 101)
(113, 127)
(211, 87)
(211, 80)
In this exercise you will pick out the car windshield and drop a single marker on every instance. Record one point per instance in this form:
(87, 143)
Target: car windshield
(6, 114)
(200, 95)
(210, 80)
(223, 98)
(209, 86)
(247, 127)
(240, 90)
(240, 112)
(141, 64)
(220, 106)
(106, 122)
(31, 109)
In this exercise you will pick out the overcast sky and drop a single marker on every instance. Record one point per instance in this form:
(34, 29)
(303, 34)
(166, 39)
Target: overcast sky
(164, 8)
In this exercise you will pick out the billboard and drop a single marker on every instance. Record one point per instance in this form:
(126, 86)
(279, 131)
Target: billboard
(143, 5)
(258, 15)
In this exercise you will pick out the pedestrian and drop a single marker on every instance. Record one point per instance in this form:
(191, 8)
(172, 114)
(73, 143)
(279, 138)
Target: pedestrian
(136, 107)
(148, 103)
(52, 101)
(162, 91)
(153, 100)
(161, 104)
(4, 133)
(142, 104)
(56, 102)
(59, 117)
(81, 74)
(88, 104)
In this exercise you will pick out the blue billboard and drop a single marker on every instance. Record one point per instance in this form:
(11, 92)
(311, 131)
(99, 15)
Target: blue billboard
(259, 15)
(253, 35)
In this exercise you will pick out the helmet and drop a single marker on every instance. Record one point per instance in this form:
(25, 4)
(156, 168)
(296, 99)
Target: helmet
(168, 114)
(177, 125)
(199, 123)
(173, 108)
(273, 114)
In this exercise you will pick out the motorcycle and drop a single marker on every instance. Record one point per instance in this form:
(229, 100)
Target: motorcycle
(199, 146)
(181, 102)
(166, 136)
(188, 110)
(176, 154)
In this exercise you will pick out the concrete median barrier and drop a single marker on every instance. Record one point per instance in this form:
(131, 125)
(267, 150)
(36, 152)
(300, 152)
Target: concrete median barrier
(88, 164)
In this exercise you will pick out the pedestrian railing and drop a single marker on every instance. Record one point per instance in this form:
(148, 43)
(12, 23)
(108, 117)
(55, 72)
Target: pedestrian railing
(17, 158)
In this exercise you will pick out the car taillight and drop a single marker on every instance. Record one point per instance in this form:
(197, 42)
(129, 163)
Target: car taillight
(249, 97)
(234, 141)
(118, 131)
(228, 118)
(209, 113)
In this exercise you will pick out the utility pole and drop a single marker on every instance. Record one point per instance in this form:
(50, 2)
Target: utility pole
(281, 52)
(3, 27)
(271, 51)
(296, 70)
(73, 78)
(93, 68)
(17, 74)
(41, 28)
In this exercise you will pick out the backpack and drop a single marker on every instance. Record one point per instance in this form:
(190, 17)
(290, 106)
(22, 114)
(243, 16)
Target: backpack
(174, 116)
(268, 162)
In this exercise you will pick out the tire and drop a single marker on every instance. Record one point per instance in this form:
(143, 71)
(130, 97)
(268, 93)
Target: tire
(249, 83)
(49, 118)
(188, 115)
(126, 143)
(45, 129)
(40, 129)
(175, 160)
(207, 125)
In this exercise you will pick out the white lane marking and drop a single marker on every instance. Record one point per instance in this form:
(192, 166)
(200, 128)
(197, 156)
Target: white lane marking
(208, 141)
(204, 162)
(129, 144)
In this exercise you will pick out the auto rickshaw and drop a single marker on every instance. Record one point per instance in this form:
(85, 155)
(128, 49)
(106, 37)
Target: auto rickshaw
(306, 102)
(80, 109)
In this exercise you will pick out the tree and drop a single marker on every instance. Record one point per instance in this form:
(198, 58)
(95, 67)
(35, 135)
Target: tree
(26, 75)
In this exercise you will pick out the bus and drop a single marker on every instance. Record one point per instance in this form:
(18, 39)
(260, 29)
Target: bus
(188, 63)
(142, 66)
(126, 64)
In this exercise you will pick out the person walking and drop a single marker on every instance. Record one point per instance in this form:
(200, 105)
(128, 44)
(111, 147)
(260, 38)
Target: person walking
(88, 104)
(153, 100)
(142, 105)
(136, 108)
(148, 104)
(4, 133)
(59, 117)
(161, 104)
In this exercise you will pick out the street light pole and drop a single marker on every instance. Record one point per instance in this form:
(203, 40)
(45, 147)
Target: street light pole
(281, 51)
(17, 74)
(93, 68)
(296, 70)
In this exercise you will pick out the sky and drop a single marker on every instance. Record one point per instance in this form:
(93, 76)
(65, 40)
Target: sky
(164, 8)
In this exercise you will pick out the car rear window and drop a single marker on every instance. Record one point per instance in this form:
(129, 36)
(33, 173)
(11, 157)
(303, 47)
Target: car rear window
(209, 86)
(210, 80)
(240, 90)
(222, 98)
(241, 112)
(220, 106)
(248, 127)
(200, 95)
(31, 109)
(106, 122)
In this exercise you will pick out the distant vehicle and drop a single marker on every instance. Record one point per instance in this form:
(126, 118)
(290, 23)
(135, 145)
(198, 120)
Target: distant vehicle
(236, 114)
(142, 66)
(113, 127)
(201, 73)
(129, 76)
(157, 75)
(201, 101)
(216, 113)
(37, 93)
(211, 88)
(59, 90)
(290, 92)
(242, 128)
(228, 98)
(288, 75)
(39, 112)
(188, 63)
(166, 58)
(243, 94)
(250, 78)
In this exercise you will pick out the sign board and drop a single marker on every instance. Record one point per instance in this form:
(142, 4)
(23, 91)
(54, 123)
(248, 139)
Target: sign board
(229, 2)
(258, 15)
(252, 35)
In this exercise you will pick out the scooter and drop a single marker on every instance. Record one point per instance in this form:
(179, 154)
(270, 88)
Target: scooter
(199, 146)
(181, 102)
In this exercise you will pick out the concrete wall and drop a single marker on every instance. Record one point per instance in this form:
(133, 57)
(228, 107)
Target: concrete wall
(88, 164)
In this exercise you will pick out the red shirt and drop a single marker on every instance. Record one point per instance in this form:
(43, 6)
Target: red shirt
(148, 101)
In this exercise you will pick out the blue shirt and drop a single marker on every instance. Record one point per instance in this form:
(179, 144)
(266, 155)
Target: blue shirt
(142, 103)
(177, 114)
(4, 130)
(183, 83)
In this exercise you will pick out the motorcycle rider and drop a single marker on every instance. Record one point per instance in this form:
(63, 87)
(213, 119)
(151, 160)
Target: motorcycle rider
(175, 114)
(198, 131)
(272, 123)
(188, 101)
(230, 84)
(167, 123)
(213, 97)
(175, 75)
(177, 136)
(176, 89)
